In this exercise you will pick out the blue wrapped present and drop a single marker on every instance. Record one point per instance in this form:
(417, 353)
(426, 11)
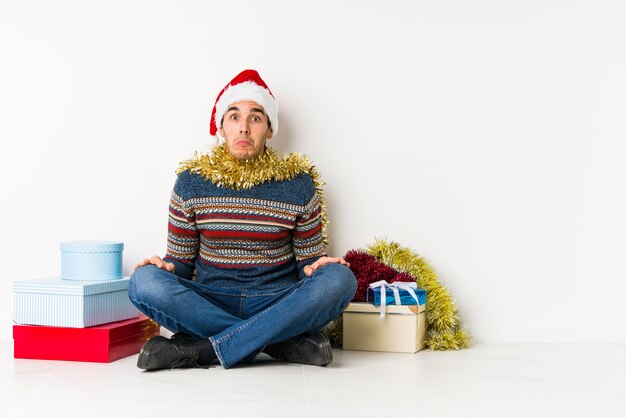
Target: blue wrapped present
(397, 293)
(57, 302)
(91, 260)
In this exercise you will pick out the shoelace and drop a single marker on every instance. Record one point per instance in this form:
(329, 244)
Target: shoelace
(186, 359)
(187, 362)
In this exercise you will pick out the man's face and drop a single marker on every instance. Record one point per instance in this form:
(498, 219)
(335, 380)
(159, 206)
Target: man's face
(245, 129)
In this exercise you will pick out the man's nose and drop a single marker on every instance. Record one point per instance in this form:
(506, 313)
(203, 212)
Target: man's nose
(244, 127)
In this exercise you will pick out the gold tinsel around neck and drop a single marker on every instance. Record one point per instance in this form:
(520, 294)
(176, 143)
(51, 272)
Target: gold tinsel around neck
(224, 170)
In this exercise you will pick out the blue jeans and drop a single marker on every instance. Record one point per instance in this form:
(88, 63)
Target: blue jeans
(240, 322)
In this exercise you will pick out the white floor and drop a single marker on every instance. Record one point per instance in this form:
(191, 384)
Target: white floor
(488, 380)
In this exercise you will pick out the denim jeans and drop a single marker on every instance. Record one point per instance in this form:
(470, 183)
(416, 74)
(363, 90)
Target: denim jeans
(240, 322)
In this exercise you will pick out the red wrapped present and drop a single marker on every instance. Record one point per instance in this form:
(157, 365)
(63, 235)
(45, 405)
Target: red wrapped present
(101, 343)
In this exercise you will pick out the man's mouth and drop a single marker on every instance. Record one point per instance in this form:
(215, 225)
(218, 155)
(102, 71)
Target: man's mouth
(243, 142)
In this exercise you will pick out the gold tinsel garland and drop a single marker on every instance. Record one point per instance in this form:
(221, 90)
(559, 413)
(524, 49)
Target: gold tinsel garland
(224, 170)
(444, 330)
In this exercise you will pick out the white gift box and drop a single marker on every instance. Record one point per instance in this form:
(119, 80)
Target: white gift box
(71, 303)
(400, 330)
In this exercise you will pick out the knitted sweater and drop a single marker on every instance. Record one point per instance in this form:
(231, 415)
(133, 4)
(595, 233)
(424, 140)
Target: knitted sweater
(254, 238)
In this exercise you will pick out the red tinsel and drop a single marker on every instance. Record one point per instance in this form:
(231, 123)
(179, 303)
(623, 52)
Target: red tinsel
(369, 270)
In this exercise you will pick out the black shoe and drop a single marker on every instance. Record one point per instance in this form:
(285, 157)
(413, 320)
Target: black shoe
(311, 349)
(181, 336)
(162, 353)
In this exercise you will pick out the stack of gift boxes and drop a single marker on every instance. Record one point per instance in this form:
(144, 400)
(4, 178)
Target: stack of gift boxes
(392, 319)
(83, 315)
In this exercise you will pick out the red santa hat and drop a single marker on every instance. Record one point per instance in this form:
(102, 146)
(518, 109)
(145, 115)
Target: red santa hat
(247, 85)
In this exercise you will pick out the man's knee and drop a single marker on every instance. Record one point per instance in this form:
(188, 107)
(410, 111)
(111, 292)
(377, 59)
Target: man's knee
(142, 283)
(339, 280)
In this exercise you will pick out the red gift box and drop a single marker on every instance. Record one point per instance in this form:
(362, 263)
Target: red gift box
(101, 343)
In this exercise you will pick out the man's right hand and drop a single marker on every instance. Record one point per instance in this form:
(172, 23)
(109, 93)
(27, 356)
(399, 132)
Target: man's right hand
(156, 260)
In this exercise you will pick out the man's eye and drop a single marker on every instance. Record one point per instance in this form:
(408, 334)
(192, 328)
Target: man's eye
(234, 117)
(255, 119)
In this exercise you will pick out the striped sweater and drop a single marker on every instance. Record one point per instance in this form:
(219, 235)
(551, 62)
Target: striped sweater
(261, 237)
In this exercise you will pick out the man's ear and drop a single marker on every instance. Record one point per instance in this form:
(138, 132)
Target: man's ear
(221, 132)
(269, 134)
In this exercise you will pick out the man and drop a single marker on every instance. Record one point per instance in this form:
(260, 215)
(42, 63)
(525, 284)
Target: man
(245, 269)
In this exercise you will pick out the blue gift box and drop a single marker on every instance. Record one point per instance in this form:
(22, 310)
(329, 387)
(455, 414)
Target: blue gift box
(91, 260)
(71, 303)
(373, 296)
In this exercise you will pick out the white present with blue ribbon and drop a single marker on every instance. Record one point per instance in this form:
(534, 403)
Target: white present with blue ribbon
(91, 260)
(71, 303)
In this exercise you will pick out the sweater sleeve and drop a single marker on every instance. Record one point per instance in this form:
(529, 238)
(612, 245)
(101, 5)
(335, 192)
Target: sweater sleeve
(182, 234)
(308, 243)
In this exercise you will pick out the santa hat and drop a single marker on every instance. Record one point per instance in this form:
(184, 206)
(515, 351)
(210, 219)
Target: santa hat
(247, 85)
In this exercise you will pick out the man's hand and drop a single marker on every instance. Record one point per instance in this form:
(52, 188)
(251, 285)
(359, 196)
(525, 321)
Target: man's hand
(156, 260)
(322, 261)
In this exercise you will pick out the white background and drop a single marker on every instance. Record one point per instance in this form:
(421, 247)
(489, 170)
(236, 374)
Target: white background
(488, 136)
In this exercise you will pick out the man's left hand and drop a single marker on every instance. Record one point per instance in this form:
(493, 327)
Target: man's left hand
(322, 261)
